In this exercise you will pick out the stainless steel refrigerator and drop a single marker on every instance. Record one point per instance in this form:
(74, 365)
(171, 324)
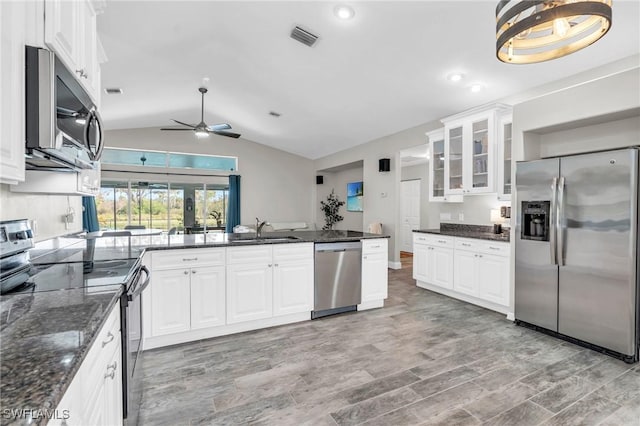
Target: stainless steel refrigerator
(576, 249)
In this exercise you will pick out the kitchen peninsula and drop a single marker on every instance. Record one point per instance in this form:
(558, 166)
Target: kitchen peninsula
(201, 286)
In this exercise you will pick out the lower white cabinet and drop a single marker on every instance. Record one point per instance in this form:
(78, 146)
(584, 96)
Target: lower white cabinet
(250, 292)
(170, 301)
(266, 281)
(473, 270)
(375, 262)
(208, 288)
(191, 294)
(433, 260)
(94, 396)
(201, 293)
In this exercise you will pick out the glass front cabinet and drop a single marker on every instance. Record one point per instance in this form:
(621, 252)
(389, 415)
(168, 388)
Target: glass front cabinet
(470, 151)
(504, 157)
(437, 164)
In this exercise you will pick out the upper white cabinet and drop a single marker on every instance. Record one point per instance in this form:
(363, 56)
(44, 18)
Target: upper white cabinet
(437, 166)
(13, 20)
(470, 147)
(504, 156)
(70, 31)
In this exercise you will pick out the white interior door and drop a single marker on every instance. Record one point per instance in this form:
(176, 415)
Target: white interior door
(410, 212)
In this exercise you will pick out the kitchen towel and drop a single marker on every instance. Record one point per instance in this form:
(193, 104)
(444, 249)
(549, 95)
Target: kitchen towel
(375, 228)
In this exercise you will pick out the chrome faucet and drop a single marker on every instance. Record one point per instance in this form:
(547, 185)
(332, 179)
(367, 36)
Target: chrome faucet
(259, 226)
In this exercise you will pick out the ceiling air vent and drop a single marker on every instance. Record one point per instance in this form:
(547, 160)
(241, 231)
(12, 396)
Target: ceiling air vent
(303, 36)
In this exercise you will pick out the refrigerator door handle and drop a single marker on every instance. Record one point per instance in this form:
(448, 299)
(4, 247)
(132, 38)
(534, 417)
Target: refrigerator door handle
(552, 220)
(560, 222)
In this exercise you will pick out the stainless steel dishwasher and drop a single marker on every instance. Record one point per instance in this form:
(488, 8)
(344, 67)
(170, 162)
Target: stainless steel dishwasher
(338, 277)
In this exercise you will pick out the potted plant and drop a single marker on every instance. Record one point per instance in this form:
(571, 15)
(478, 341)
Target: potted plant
(217, 216)
(330, 208)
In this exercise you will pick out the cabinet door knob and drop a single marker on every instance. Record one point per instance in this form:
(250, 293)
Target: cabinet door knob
(186, 272)
(270, 265)
(193, 271)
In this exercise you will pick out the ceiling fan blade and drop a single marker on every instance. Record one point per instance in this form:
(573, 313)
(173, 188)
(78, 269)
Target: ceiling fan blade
(173, 128)
(185, 124)
(229, 134)
(221, 126)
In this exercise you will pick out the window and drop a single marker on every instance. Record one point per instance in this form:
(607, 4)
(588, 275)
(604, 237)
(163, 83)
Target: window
(188, 207)
(166, 159)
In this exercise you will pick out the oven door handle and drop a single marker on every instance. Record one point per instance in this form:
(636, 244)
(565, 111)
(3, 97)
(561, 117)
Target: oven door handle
(140, 288)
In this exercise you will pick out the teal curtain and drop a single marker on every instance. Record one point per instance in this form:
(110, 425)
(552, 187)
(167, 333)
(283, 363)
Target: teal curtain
(89, 214)
(233, 208)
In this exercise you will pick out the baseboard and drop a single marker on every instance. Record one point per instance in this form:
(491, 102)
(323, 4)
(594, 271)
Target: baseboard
(466, 298)
(371, 305)
(223, 330)
(395, 265)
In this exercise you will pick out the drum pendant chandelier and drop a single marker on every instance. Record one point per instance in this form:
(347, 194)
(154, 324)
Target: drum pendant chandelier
(530, 31)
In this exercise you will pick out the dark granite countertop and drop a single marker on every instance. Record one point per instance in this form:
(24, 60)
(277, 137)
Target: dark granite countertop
(468, 231)
(134, 246)
(45, 337)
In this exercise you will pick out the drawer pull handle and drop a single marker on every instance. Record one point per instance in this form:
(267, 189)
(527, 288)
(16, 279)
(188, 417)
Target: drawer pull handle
(193, 271)
(442, 241)
(189, 259)
(466, 244)
(186, 272)
(110, 338)
(375, 246)
(494, 248)
(113, 367)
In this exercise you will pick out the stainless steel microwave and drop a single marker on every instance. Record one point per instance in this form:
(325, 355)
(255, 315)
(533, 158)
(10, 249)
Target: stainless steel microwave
(63, 128)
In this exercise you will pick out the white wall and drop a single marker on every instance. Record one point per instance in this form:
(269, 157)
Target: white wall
(275, 186)
(381, 201)
(46, 210)
(338, 182)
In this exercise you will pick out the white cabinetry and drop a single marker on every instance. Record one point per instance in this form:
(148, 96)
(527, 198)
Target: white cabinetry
(70, 31)
(504, 156)
(433, 260)
(94, 396)
(473, 270)
(13, 20)
(470, 151)
(202, 293)
(208, 305)
(84, 182)
(437, 169)
(292, 278)
(375, 264)
(187, 290)
(250, 283)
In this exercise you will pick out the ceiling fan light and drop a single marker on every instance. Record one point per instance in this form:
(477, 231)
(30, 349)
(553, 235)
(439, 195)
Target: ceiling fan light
(537, 31)
(202, 133)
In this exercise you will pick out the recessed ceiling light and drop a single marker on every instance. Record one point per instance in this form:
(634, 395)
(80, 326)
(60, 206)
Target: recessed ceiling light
(343, 11)
(456, 76)
(476, 87)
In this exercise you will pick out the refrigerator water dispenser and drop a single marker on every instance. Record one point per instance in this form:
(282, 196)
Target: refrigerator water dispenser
(535, 220)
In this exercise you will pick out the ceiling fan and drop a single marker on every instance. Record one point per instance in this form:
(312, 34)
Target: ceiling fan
(201, 129)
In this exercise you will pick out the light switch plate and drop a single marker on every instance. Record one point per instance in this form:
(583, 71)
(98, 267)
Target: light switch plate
(461, 217)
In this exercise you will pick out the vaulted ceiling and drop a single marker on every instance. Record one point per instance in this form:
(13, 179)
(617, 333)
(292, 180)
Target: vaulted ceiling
(381, 72)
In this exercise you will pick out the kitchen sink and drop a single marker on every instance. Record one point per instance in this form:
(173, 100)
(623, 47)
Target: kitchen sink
(264, 240)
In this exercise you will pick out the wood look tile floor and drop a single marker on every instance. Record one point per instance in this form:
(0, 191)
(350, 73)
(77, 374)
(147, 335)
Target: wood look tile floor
(423, 359)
